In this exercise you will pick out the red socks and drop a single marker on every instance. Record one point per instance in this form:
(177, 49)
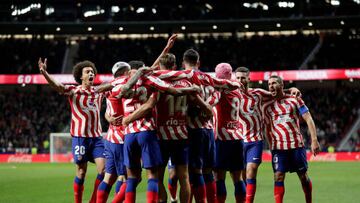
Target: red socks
(130, 194)
(98, 180)
(78, 189)
(103, 192)
(279, 191)
(120, 196)
(198, 188)
(250, 190)
(152, 194)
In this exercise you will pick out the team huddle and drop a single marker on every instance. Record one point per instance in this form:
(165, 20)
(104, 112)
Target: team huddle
(199, 126)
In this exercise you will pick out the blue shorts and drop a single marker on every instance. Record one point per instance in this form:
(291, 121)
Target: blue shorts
(202, 148)
(175, 150)
(253, 152)
(142, 145)
(293, 160)
(86, 149)
(229, 155)
(114, 154)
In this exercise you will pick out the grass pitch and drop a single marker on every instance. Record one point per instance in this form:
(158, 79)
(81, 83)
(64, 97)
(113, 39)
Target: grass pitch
(335, 182)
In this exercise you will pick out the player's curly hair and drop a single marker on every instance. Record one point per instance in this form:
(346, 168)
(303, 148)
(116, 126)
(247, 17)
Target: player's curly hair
(77, 70)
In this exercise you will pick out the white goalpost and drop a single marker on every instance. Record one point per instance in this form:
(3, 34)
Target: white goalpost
(60, 147)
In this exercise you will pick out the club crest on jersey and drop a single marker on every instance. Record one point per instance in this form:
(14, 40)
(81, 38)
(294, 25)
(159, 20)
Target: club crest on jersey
(79, 157)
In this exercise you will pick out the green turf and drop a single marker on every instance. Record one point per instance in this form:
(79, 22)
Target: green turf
(332, 183)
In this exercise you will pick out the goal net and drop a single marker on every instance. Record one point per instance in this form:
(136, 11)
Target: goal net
(60, 148)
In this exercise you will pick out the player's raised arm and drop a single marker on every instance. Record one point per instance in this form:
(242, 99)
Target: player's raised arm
(182, 91)
(124, 88)
(167, 48)
(315, 146)
(59, 87)
(142, 111)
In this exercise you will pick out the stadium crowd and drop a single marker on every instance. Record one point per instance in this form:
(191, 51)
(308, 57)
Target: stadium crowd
(258, 52)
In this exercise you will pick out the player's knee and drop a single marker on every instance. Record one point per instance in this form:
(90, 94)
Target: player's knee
(279, 177)
(81, 172)
(303, 177)
(121, 178)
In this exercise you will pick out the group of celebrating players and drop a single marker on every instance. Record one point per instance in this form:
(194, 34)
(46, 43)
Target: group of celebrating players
(200, 126)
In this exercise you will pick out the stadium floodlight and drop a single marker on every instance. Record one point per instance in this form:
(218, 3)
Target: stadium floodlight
(153, 10)
(115, 9)
(89, 29)
(121, 28)
(26, 29)
(17, 12)
(246, 26)
(342, 22)
(356, 1)
(208, 6)
(152, 28)
(183, 27)
(140, 10)
(49, 11)
(284, 4)
(278, 25)
(335, 2)
(58, 29)
(93, 13)
(310, 24)
(214, 27)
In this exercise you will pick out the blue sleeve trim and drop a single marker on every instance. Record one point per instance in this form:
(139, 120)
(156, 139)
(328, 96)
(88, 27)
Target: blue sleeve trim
(303, 109)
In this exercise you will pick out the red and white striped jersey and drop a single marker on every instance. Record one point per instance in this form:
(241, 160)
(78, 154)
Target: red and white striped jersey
(173, 74)
(85, 111)
(228, 115)
(251, 119)
(282, 118)
(209, 95)
(171, 113)
(143, 89)
(114, 108)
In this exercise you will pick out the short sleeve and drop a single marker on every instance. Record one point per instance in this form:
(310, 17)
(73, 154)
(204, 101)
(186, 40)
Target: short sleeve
(115, 92)
(156, 83)
(69, 89)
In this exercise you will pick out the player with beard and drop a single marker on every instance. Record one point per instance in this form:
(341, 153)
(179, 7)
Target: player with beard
(282, 116)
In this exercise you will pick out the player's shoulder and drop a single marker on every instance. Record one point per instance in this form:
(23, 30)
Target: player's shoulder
(119, 80)
(180, 83)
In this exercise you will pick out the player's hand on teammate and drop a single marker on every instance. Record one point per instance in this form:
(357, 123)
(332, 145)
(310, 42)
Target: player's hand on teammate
(295, 92)
(145, 70)
(315, 147)
(197, 88)
(42, 65)
(125, 121)
(116, 121)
